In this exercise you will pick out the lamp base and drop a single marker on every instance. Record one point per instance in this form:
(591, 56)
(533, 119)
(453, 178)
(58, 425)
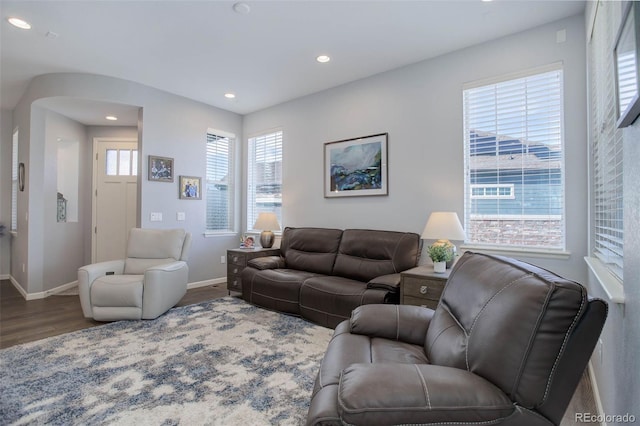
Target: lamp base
(266, 239)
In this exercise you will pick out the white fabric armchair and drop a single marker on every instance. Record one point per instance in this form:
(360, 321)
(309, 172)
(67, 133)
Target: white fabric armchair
(150, 281)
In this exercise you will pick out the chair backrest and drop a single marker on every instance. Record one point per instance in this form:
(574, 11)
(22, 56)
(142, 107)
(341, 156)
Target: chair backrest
(310, 249)
(152, 247)
(365, 254)
(516, 325)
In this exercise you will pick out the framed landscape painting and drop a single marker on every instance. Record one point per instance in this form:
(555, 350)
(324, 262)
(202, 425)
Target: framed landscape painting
(356, 167)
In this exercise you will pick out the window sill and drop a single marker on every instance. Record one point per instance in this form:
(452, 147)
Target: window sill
(609, 283)
(213, 234)
(511, 251)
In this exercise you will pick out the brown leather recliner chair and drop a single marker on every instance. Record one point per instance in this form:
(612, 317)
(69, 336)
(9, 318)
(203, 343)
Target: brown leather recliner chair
(507, 345)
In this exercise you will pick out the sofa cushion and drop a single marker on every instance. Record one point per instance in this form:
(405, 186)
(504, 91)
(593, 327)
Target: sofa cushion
(383, 393)
(277, 289)
(366, 254)
(329, 300)
(310, 249)
(152, 247)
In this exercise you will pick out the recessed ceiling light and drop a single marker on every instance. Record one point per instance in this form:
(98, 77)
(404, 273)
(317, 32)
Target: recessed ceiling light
(241, 8)
(323, 59)
(20, 23)
(111, 117)
(229, 95)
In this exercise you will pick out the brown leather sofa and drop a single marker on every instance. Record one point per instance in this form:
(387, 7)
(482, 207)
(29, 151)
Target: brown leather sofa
(323, 274)
(507, 345)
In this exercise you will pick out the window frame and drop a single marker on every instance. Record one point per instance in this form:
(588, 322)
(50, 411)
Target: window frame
(558, 251)
(251, 210)
(231, 186)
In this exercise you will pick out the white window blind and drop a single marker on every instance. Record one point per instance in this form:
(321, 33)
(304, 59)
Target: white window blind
(219, 183)
(513, 142)
(606, 143)
(14, 182)
(264, 188)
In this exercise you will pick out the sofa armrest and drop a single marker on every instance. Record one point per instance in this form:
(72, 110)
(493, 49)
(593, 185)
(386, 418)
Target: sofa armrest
(164, 286)
(388, 393)
(405, 323)
(88, 274)
(267, 262)
(389, 282)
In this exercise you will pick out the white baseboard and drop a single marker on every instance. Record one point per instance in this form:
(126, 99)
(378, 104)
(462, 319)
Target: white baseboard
(5, 277)
(596, 391)
(47, 293)
(205, 283)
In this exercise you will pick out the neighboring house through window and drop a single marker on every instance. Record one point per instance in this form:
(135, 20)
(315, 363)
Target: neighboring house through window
(220, 188)
(264, 177)
(514, 161)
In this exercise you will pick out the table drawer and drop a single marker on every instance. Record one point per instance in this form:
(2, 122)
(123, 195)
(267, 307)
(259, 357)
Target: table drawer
(234, 283)
(422, 288)
(237, 259)
(418, 301)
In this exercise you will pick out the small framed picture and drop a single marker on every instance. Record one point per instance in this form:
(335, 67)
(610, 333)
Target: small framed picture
(190, 188)
(160, 169)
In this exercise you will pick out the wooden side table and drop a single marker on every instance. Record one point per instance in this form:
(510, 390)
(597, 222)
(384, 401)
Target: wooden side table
(237, 260)
(422, 287)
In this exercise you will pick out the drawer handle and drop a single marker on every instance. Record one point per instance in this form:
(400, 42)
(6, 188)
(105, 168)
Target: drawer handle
(235, 258)
(235, 270)
(423, 289)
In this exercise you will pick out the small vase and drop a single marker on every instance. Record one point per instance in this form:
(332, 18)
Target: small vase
(439, 267)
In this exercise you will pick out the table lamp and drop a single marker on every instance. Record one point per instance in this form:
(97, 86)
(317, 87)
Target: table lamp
(444, 226)
(267, 223)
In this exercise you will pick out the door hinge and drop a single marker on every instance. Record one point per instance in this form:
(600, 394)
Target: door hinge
(95, 230)
(96, 156)
(96, 192)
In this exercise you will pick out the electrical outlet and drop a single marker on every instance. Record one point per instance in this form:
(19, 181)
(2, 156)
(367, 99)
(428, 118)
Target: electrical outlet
(223, 259)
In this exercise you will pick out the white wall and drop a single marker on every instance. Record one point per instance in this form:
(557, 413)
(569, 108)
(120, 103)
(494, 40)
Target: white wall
(62, 242)
(172, 126)
(420, 106)
(6, 135)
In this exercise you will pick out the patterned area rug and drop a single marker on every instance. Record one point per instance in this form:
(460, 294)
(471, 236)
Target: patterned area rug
(222, 362)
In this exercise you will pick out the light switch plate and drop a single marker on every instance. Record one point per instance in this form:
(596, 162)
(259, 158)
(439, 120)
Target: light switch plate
(180, 216)
(156, 217)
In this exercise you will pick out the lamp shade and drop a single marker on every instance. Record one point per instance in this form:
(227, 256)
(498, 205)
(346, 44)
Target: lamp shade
(267, 222)
(443, 226)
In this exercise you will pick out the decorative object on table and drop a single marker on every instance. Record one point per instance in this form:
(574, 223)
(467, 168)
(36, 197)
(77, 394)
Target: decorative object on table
(160, 169)
(444, 226)
(356, 167)
(440, 254)
(248, 242)
(21, 175)
(267, 223)
(62, 208)
(626, 56)
(190, 188)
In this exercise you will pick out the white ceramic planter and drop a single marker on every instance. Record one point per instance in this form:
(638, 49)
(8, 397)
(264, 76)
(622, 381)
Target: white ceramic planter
(439, 267)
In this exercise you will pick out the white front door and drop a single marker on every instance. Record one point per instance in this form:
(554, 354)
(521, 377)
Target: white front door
(115, 197)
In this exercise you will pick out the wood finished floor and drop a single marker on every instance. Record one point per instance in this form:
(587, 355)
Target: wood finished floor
(24, 321)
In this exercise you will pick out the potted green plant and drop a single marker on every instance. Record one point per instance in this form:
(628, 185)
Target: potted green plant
(440, 254)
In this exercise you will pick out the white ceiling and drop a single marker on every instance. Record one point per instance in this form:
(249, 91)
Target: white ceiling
(203, 49)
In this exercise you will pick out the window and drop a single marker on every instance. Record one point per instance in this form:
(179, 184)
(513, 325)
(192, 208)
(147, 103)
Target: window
(264, 180)
(122, 162)
(606, 145)
(220, 181)
(513, 138)
(14, 182)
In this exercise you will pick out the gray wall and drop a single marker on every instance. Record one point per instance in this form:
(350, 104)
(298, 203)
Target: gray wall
(172, 126)
(6, 136)
(420, 106)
